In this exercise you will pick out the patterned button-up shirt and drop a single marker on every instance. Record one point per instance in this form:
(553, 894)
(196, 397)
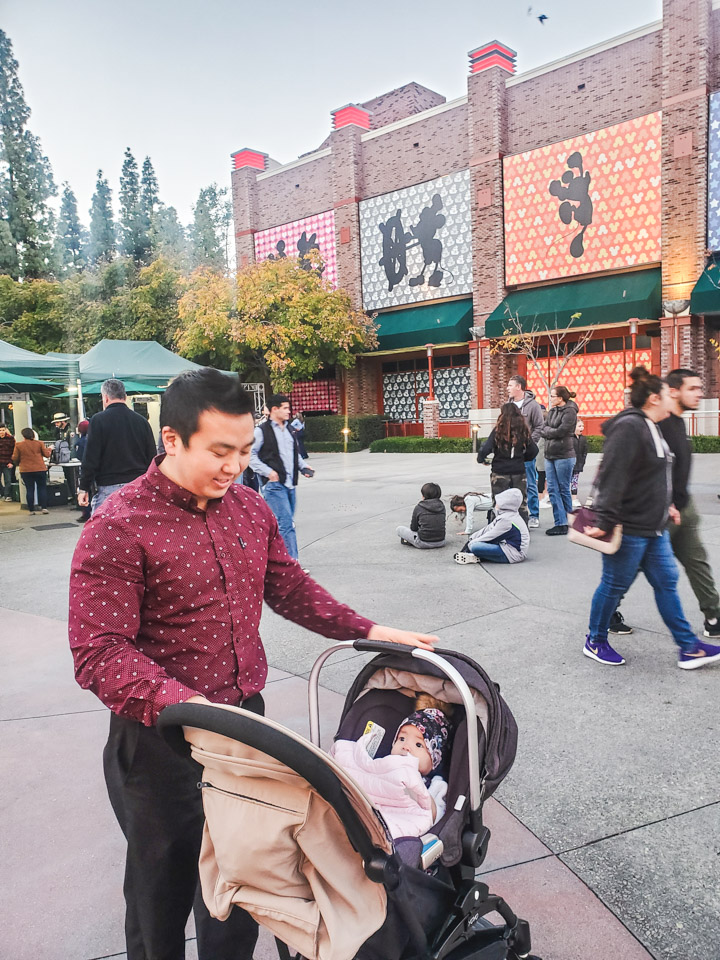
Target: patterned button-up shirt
(165, 599)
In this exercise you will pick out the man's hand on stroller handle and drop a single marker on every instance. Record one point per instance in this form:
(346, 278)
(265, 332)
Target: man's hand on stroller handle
(408, 637)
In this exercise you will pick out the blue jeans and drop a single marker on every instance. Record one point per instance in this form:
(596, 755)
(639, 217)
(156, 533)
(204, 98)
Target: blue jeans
(5, 481)
(559, 473)
(533, 500)
(281, 500)
(101, 496)
(654, 556)
(489, 551)
(36, 481)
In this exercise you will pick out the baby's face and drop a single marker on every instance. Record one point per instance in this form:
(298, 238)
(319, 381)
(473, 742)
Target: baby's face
(409, 743)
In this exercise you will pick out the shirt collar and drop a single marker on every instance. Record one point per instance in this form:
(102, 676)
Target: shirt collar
(170, 490)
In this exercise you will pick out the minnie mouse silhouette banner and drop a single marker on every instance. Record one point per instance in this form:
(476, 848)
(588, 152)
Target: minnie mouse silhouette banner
(584, 205)
(297, 239)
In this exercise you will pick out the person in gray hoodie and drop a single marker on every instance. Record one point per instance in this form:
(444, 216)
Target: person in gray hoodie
(528, 406)
(427, 526)
(559, 434)
(505, 540)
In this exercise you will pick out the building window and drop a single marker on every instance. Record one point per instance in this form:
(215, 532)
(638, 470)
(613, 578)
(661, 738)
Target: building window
(613, 343)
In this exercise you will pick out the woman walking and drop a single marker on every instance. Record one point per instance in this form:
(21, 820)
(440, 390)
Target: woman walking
(512, 446)
(634, 488)
(28, 456)
(559, 435)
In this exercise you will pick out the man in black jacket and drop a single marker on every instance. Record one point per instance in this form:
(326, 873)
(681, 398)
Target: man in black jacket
(276, 459)
(120, 447)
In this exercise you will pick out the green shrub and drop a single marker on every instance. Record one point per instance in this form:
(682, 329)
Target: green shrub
(332, 446)
(700, 444)
(422, 445)
(363, 429)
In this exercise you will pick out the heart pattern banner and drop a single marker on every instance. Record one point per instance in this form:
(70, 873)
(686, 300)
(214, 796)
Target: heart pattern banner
(294, 239)
(596, 378)
(714, 174)
(404, 393)
(584, 205)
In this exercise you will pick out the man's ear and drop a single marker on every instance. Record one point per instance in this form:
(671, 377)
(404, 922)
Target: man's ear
(171, 440)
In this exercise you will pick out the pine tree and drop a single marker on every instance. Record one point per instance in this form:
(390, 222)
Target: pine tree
(212, 215)
(102, 229)
(168, 238)
(26, 182)
(134, 231)
(149, 199)
(71, 236)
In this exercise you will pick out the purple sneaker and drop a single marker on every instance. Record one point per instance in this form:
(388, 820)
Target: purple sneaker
(604, 653)
(699, 656)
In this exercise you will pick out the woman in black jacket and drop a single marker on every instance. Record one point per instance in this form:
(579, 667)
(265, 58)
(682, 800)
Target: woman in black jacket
(559, 435)
(511, 445)
(634, 488)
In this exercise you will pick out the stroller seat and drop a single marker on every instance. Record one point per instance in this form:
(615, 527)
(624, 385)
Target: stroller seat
(291, 838)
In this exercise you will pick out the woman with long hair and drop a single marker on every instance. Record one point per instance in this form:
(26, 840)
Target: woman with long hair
(511, 445)
(634, 488)
(559, 435)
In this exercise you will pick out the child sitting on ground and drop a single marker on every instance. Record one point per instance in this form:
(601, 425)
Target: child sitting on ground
(466, 506)
(406, 787)
(427, 526)
(506, 539)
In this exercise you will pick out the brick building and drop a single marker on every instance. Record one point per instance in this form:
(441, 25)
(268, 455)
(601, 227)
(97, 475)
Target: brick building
(575, 201)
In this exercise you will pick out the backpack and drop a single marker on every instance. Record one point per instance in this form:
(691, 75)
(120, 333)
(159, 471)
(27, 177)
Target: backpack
(61, 451)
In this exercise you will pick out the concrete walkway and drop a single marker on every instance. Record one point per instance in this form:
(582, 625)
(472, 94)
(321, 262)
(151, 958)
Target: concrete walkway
(605, 834)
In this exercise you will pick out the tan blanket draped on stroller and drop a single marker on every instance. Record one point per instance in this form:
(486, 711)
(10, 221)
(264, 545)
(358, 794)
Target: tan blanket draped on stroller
(274, 847)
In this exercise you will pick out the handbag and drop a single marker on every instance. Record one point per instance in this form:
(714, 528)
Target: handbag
(586, 517)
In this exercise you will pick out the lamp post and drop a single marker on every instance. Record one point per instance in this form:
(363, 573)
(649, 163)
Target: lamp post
(429, 349)
(633, 335)
(346, 433)
(475, 431)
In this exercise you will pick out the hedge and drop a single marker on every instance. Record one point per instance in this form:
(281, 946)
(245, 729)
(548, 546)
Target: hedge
(332, 446)
(700, 444)
(363, 430)
(422, 445)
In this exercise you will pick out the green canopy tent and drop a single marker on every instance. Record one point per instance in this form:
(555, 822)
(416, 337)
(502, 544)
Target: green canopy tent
(14, 380)
(144, 362)
(25, 363)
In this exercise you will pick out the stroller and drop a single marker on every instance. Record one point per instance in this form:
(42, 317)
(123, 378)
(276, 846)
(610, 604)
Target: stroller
(292, 839)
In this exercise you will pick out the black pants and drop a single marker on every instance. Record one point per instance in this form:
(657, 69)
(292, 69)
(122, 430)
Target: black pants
(156, 800)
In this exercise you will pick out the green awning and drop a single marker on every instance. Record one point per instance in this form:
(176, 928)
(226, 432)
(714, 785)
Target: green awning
(598, 300)
(131, 386)
(705, 298)
(20, 380)
(431, 323)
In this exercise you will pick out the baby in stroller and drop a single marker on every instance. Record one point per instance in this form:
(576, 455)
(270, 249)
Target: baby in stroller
(406, 787)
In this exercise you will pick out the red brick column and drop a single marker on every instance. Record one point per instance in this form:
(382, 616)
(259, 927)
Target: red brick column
(686, 46)
(347, 188)
(431, 419)
(246, 166)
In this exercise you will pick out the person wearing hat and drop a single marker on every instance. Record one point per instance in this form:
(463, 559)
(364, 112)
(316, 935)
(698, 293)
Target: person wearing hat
(62, 450)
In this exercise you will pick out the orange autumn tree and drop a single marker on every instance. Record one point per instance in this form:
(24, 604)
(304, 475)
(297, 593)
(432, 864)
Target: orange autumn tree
(278, 321)
(517, 339)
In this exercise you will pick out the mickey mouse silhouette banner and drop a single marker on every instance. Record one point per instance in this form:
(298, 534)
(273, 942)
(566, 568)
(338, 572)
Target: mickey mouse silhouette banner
(714, 174)
(415, 243)
(296, 239)
(584, 205)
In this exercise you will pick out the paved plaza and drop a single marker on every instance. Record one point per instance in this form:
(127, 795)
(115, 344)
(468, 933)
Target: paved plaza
(606, 833)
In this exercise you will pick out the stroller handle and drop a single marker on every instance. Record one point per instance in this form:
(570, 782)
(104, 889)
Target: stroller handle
(382, 646)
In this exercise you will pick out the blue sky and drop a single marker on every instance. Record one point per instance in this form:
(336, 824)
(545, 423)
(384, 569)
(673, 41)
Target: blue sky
(188, 82)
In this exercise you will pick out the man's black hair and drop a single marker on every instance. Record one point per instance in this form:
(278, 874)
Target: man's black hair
(277, 400)
(520, 380)
(195, 391)
(676, 378)
(430, 491)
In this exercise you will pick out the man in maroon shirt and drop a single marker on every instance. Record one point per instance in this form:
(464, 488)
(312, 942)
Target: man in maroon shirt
(166, 593)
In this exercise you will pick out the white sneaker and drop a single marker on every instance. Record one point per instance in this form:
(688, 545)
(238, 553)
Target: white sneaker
(465, 558)
(8, 499)
(544, 504)
(576, 503)
(533, 522)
